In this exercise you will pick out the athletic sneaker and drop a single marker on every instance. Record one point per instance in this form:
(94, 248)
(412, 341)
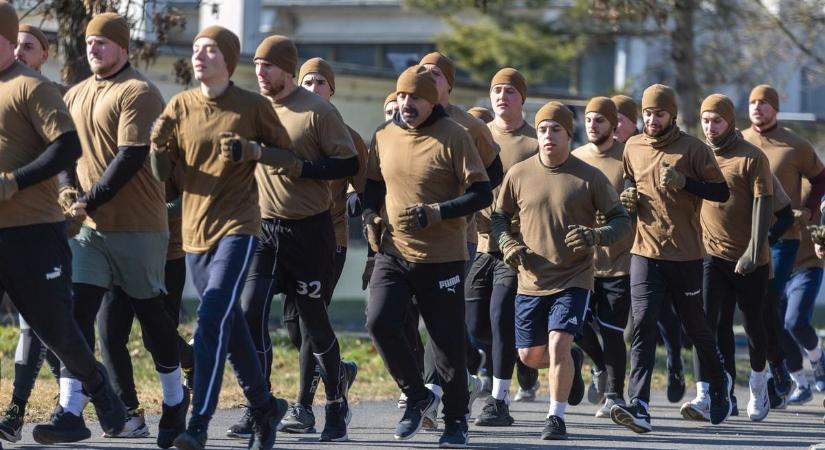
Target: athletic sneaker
(430, 420)
(777, 401)
(675, 385)
(577, 389)
(801, 395)
(62, 427)
(781, 378)
(135, 426)
(734, 406)
(604, 411)
(456, 434)
(111, 414)
(819, 372)
(554, 429)
(194, 438)
(298, 419)
(350, 371)
(338, 416)
(172, 421)
(633, 416)
(697, 409)
(242, 429)
(11, 426)
(496, 413)
(402, 401)
(475, 388)
(759, 404)
(720, 402)
(527, 394)
(598, 381)
(414, 413)
(265, 424)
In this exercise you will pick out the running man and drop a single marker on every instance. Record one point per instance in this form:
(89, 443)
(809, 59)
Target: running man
(556, 197)
(209, 131)
(39, 141)
(667, 175)
(122, 243)
(423, 198)
(296, 254)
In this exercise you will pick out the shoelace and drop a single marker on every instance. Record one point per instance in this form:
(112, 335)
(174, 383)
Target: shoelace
(12, 412)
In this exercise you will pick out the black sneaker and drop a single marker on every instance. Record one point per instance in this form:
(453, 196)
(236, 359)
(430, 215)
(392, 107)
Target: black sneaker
(11, 426)
(456, 434)
(781, 378)
(242, 429)
(633, 416)
(496, 413)
(172, 421)
(675, 386)
(62, 427)
(265, 424)
(298, 419)
(410, 422)
(338, 416)
(577, 389)
(777, 401)
(734, 406)
(194, 438)
(720, 404)
(554, 429)
(111, 414)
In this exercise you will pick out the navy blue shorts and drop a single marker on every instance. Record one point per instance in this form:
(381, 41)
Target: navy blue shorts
(536, 317)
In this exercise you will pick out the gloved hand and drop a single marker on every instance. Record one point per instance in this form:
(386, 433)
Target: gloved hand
(820, 251)
(580, 237)
(418, 217)
(671, 178)
(802, 217)
(629, 198)
(373, 225)
(601, 220)
(77, 211)
(237, 149)
(365, 277)
(354, 208)
(8, 186)
(66, 198)
(817, 234)
(161, 134)
(515, 254)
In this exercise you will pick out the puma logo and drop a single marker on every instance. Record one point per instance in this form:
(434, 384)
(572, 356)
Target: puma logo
(693, 293)
(450, 283)
(55, 273)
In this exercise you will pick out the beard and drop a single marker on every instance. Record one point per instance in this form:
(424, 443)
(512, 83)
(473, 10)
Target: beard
(409, 114)
(601, 139)
(274, 89)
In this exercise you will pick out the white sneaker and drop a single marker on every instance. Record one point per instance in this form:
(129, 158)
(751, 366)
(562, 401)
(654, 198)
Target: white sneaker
(402, 401)
(759, 404)
(697, 409)
(430, 420)
(135, 426)
(527, 395)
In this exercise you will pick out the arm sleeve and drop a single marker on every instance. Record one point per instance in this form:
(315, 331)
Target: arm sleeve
(127, 163)
(617, 228)
(715, 192)
(161, 166)
(817, 190)
(478, 196)
(330, 168)
(360, 178)
(374, 193)
(760, 223)
(59, 155)
(784, 220)
(495, 172)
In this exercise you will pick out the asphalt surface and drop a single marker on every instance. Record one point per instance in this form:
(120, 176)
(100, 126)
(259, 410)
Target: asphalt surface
(373, 423)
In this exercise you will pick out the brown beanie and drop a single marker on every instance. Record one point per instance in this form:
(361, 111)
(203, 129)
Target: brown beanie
(605, 107)
(626, 106)
(442, 62)
(279, 51)
(318, 65)
(659, 96)
(110, 25)
(557, 112)
(228, 43)
(767, 94)
(34, 31)
(482, 114)
(512, 77)
(8, 22)
(391, 97)
(722, 105)
(418, 81)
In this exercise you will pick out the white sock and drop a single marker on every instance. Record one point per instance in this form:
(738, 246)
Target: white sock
(500, 388)
(72, 398)
(436, 389)
(557, 409)
(172, 387)
(702, 389)
(799, 378)
(815, 354)
(759, 378)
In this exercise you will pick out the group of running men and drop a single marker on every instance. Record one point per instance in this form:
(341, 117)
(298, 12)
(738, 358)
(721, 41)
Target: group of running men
(108, 195)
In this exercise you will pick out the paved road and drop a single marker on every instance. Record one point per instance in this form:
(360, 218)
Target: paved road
(373, 423)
